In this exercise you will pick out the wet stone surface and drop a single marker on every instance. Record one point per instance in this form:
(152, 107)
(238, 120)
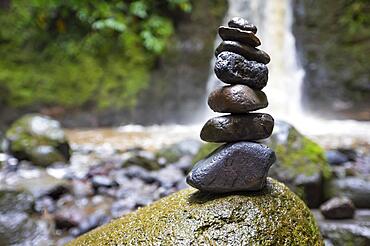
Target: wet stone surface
(235, 34)
(248, 52)
(233, 68)
(232, 167)
(233, 128)
(242, 24)
(338, 208)
(236, 99)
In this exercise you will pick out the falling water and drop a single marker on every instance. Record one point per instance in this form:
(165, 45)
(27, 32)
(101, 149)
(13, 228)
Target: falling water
(274, 20)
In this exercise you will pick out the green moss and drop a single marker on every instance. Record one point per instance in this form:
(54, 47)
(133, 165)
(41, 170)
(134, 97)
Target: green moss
(204, 151)
(274, 216)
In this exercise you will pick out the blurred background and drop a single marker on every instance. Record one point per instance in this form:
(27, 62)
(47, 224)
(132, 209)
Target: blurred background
(101, 104)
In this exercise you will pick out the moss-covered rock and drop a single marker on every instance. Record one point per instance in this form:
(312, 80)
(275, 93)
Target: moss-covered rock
(301, 163)
(39, 139)
(274, 216)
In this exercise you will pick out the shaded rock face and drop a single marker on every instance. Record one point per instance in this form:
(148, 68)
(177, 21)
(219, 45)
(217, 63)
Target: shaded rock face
(338, 208)
(232, 167)
(242, 36)
(238, 22)
(272, 216)
(236, 99)
(232, 68)
(246, 51)
(39, 139)
(334, 53)
(233, 128)
(301, 163)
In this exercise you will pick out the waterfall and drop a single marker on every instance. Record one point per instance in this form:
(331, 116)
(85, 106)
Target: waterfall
(274, 21)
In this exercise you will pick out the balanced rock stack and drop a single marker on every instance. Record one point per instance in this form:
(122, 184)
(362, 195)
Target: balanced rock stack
(241, 164)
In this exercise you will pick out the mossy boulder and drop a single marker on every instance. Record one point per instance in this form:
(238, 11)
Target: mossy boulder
(273, 216)
(39, 139)
(301, 163)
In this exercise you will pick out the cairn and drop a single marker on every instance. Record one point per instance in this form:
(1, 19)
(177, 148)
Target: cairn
(241, 164)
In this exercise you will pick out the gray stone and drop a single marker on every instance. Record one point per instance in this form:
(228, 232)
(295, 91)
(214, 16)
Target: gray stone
(233, 128)
(241, 166)
(233, 68)
(235, 34)
(236, 99)
(248, 52)
(338, 208)
(238, 22)
(355, 188)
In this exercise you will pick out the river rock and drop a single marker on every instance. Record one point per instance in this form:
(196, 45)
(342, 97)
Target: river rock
(189, 217)
(236, 99)
(301, 163)
(235, 34)
(241, 166)
(39, 139)
(233, 68)
(338, 208)
(238, 22)
(233, 128)
(250, 53)
(355, 188)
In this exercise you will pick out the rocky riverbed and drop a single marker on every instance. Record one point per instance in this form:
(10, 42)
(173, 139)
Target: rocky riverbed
(112, 172)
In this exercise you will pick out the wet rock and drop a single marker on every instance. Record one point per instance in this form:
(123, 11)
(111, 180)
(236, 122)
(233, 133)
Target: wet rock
(232, 167)
(338, 208)
(236, 34)
(69, 217)
(193, 218)
(45, 204)
(238, 22)
(82, 188)
(246, 51)
(346, 232)
(236, 99)
(232, 128)
(233, 68)
(39, 139)
(169, 177)
(103, 181)
(301, 163)
(139, 172)
(143, 159)
(336, 158)
(355, 188)
(16, 226)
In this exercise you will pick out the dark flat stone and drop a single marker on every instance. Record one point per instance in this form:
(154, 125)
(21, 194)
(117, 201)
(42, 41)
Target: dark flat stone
(338, 208)
(233, 68)
(250, 53)
(236, 99)
(241, 166)
(233, 128)
(235, 34)
(238, 22)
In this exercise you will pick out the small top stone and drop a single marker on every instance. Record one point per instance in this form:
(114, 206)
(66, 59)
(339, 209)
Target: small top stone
(238, 22)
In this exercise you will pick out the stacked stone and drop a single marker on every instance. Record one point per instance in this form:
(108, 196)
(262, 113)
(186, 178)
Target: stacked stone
(241, 164)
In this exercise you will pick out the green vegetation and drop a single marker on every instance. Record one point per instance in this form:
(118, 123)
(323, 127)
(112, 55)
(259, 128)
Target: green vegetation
(275, 216)
(78, 53)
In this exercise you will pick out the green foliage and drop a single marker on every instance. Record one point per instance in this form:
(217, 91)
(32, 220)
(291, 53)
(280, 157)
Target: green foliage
(356, 17)
(76, 53)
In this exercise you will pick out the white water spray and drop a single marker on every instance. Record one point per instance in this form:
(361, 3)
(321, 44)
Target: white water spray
(274, 20)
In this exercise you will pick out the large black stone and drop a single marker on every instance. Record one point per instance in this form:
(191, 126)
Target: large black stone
(236, 99)
(238, 22)
(241, 166)
(235, 34)
(233, 68)
(247, 51)
(233, 128)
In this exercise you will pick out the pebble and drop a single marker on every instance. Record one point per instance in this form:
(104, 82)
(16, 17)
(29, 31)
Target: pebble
(236, 99)
(233, 128)
(250, 53)
(233, 68)
(235, 34)
(241, 166)
(238, 22)
(338, 208)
